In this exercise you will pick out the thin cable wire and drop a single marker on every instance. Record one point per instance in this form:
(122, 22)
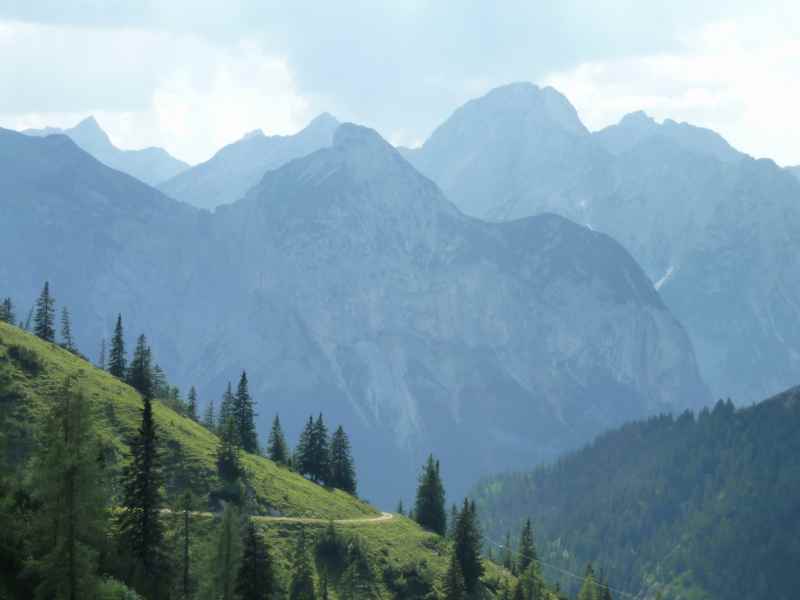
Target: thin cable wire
(569, 573)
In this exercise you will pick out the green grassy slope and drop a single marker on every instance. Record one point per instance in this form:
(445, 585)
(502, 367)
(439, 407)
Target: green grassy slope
(30, 369)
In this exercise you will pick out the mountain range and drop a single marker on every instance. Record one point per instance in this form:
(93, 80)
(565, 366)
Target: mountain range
(345, 281)
(151, 165)
(716, 231)
(231, 172)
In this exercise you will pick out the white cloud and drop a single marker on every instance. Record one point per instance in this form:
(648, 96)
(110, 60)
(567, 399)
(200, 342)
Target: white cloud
(739, 78)
(177, 91)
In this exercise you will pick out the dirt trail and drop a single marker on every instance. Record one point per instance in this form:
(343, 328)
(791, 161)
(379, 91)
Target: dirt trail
(382, 518)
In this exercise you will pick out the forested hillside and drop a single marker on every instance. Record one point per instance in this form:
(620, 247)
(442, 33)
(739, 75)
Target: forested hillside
(695, 507)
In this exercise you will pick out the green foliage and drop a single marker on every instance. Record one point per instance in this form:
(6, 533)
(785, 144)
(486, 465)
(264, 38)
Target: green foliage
(255, 579)
(117, 360)
(229, 465)
(140, 373)
(454, 587)
(342, 473)
(245, 417)
(66, 332)
(359, 581)
(429, 509)
(467, 546)
(7, 311)
(191, 408)
(527, 549)
(313, 451)
(227, 555)
(67, 482)
(277, 449)
(302, 586)
(209, 417)
(44, 317)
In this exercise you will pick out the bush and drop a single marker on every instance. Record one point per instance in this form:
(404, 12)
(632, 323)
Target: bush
(111, 589)
(25, 358)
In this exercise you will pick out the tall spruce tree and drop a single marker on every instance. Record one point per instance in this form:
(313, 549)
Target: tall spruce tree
(277, 450)
(44, 318)
(191, 408)
(342, 471)
(527, 549)
(66, 332)
(67, 481)
(160, 384)
(589, 588)
(255, 579)
(228, 555)
(467, 546)
(302, 586)
(117, 359)
(454, 587)
(227, 410)
(358, 581)
(304, 460)
(229, 465)
(508, 554)
(29, 319)
(7, 312)
(429, 508)
(140, 373)
(140, 528)
(209, 417)
(186, 586)
(245, 416)
(320, 451)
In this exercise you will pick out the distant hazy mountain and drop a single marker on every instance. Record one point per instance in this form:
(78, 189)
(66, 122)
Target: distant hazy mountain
(345, 282)
(695, 507)
(231, 172)
(151, 165)
(713, 228)
(794, 171)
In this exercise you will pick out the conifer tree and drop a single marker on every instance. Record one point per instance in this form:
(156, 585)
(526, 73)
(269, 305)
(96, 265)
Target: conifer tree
(255, 580)
(227, 409)
(467, 546)
(7, 312)
(27, 325)
(454, 588)
(508, 555)
(302, 586)
(451, 521)
(209, 418)
(342, 471)
(117, 360)
(140, 527)
(527, 550)
(186, 581)
(304, 452)
(101, 359)
(429, 508)
(191, 409)
(229, 466)
(358, 579)
(44, 318)
(228, 555)
(67, 481)
(245, 416)
(66, 332)
(277, 450)
(589, 588)
(140, 373)
(400, 509)
(320, 451)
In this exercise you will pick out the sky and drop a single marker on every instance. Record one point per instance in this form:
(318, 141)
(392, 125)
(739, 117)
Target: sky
(192, 76)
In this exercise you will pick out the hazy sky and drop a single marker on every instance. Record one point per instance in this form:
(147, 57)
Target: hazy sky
(193, 75)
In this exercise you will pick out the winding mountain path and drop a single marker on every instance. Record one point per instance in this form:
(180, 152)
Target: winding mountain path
(382, 518)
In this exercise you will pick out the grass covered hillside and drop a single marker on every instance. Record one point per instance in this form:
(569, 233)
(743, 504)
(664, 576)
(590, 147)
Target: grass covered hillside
(703, 507)
(402, 559)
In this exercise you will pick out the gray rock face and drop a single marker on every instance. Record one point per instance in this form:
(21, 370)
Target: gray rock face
(232, 171)
(345, 282)
(711, 227)
(151, 165)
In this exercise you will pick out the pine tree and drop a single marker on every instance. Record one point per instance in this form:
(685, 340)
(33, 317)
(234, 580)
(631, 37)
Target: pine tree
(192, 406)
(227, 410)
(245, 416)
(66, 332)
(527, 550)
(454, 587)
(255, 580)
(159, 382)
(400, 509)
(67, 481)
(467, 546)
(140, 528)
(277, 450)
(320, 452)
(44, 318)
(358, 579)
(140, 373)
(451, 521)
(229, 466)
(228, 555)
(342, 471)
(302, 586)
(27, 325)
(209, 418)
(508, 555)
(7, 312)
(429, 508)
(589, 588)
(101, 359)
(117, 360)
(304, 462)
